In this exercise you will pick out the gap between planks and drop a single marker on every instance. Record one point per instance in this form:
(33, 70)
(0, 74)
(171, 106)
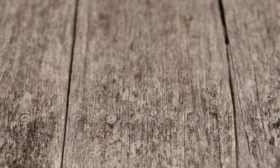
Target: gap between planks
(70, 77)
(227, 43)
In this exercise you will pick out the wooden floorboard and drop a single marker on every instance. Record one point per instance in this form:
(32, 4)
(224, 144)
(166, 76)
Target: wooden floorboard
(139, 83)
(254, 53)
(35, 49)
(160, 68)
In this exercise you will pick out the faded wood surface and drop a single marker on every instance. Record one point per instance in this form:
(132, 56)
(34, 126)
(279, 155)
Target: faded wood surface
(157, 66)
(35, 49)
(254, 52)
(181, 95)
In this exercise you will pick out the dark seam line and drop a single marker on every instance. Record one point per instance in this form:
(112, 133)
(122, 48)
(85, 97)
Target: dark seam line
(69, 78)
(223, 20)
(234, 109)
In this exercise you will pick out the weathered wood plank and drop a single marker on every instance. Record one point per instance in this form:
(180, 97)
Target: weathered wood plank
(161, 68)
(254, 52)
(35, 49)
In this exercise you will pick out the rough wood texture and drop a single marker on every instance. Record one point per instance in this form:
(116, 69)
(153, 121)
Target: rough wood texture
(254, 52)
(157, 66)
(35, 49)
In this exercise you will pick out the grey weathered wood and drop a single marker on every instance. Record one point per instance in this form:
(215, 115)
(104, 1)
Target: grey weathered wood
(157, 66)
(35, 50)
(254, 51)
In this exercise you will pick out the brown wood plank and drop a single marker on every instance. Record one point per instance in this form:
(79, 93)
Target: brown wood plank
(160, 67)
(35, 50)
(254, 52)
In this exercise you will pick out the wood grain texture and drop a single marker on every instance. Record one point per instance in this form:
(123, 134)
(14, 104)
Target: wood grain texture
(254, 52)
(35, 49)
(157, 66)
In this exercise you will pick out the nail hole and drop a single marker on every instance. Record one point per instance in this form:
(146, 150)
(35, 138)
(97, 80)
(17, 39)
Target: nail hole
(24, 117)
(111, 119)
(193, 117)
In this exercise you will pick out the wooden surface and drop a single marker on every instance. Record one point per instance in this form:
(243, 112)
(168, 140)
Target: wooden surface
(190, 83)
(155, 65)
(35, 48)
(254, 52)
